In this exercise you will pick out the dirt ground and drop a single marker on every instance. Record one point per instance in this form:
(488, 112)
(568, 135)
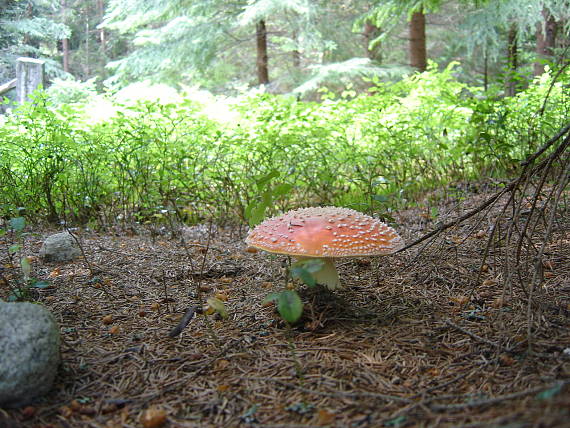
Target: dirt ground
(414, 339)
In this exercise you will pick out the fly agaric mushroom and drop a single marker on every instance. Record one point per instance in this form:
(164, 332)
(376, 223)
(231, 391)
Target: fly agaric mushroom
(325, 233)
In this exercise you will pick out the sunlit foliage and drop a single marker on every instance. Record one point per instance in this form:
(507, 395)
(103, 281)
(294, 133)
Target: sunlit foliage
(369, 152)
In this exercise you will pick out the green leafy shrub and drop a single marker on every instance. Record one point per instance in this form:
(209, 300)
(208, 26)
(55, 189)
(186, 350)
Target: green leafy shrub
(68, 91)
(369, 151)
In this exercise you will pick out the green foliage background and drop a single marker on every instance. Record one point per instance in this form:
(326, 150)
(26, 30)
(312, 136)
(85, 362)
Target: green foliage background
(369, 152)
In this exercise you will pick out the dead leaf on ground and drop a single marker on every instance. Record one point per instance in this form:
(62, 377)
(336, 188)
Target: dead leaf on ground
(153, 417)
(324, 417)
(55, 273)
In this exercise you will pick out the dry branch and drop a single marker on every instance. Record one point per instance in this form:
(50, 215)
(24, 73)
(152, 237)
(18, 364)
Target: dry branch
(509, 188)
(476, 337)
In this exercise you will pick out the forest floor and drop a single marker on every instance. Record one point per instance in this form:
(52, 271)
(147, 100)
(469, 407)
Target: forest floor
(414, 339)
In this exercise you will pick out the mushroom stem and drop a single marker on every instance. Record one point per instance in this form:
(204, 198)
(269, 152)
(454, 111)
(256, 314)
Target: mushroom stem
(328, 275)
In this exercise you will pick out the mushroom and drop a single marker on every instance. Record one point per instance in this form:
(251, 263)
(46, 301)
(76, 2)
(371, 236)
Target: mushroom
(325, 233)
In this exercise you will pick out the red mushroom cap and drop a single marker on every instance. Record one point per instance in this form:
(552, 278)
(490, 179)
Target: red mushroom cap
(325, 232)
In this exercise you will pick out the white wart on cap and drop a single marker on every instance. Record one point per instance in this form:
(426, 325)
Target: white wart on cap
(325, 233)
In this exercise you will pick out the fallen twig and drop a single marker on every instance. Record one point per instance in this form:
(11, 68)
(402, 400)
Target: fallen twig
(188, 315)
(476, 337)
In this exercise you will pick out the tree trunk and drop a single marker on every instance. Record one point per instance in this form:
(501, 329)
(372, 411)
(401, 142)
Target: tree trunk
(370, 33)
(296, 59)
(65, 48)
(418, 52)
(486, 72)
(29, 14)
(65, 42)
(512, 63)
(102, 34)
(262, 60)
(87, 66)
(545, 41)
(296, 53)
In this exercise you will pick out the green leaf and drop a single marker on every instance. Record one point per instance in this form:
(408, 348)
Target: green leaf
(18, 224)
(271, 297)
(305, 268)
(266, 178)
(248, 209)
(281, 190)
(289, 306)
(255, 211)
(267, 198)
(380, 198)
(41, 284)
(14, 248)
(218, 306)
(311, 265)
(257, 214)
(549, 393)
(304, 275)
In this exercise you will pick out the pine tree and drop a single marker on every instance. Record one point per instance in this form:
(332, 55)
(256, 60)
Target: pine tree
(88, 49)
(384, 12)
(171, 41)
(546, 32)
(295, 22)
(27, 29)
(176, 41)
(500, 27)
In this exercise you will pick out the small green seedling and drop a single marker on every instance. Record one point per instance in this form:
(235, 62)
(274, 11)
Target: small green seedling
(218, 306)
(304, 270)
(21, 292)
(288, 303)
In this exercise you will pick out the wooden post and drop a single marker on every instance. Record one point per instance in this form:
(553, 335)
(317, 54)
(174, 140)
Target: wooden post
(29, 75)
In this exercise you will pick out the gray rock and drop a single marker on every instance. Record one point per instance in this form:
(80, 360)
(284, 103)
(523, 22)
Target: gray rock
(29, 352)
(60, 247)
